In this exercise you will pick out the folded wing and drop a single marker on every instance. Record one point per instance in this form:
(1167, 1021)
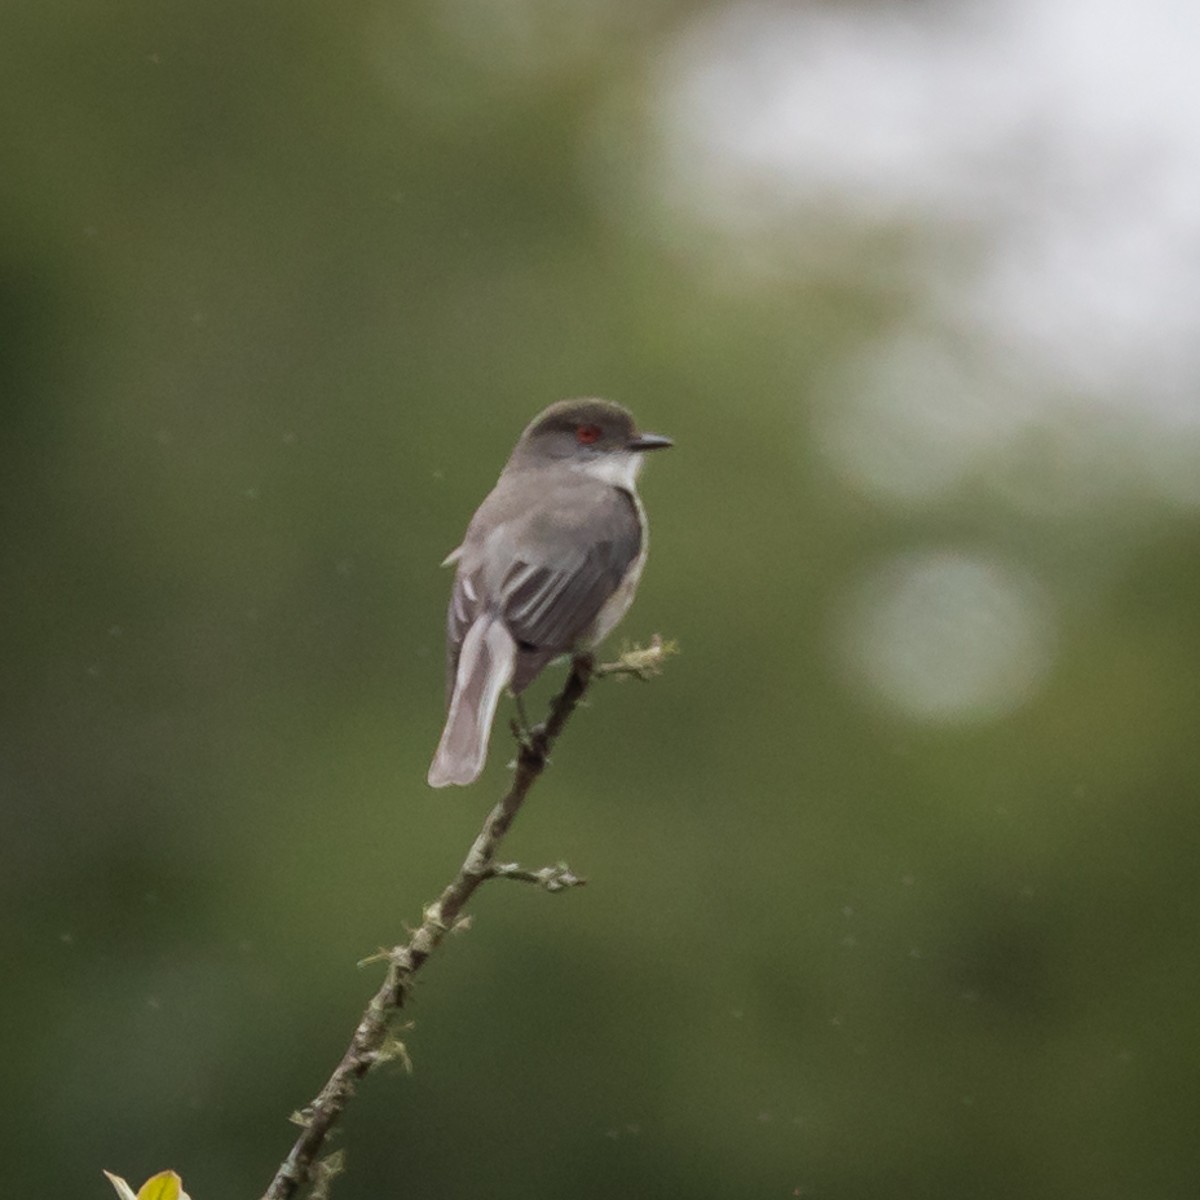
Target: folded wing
(547, 575)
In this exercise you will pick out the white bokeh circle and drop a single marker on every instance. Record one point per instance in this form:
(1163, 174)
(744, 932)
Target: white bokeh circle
(949, 637)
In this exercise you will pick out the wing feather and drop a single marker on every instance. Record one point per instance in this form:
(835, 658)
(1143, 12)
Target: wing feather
(548, 571)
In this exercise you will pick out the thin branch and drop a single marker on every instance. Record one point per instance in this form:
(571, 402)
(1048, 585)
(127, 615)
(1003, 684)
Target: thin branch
(372, 1042)
(554, 879)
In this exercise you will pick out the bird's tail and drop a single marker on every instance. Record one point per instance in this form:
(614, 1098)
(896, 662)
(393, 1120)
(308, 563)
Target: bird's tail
(485, 668)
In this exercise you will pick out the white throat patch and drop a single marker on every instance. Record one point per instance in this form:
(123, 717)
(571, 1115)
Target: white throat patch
(619, 468)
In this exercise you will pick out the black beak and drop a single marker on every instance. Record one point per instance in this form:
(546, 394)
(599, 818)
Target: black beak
(648, 441)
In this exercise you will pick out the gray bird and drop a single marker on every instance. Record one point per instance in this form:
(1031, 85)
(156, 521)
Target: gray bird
(549, 565)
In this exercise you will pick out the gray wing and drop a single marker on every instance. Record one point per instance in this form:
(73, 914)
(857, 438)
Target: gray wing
(553, 607)
(548, 571)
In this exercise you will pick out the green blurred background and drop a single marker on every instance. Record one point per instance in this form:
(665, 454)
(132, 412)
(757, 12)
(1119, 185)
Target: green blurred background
(893, 874)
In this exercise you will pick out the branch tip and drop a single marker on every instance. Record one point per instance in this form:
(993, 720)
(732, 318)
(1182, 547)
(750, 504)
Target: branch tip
(553, 879)
(639, 662)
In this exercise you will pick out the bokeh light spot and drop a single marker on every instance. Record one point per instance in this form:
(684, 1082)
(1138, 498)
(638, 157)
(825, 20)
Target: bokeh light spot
(948, 637)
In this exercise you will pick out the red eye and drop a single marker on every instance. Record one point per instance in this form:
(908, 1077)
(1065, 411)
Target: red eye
(585, 435)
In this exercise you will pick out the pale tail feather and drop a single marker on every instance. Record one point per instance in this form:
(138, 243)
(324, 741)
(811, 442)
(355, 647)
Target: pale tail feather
(485, 668)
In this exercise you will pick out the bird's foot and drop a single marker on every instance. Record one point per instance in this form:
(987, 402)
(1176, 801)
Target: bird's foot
(521, 729)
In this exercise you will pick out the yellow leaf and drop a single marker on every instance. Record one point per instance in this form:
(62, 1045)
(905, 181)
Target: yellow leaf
(166, 1185)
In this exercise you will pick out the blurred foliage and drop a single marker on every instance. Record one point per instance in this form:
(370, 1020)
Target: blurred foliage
(279, 286)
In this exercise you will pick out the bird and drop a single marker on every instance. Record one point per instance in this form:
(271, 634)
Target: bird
(548, 566)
